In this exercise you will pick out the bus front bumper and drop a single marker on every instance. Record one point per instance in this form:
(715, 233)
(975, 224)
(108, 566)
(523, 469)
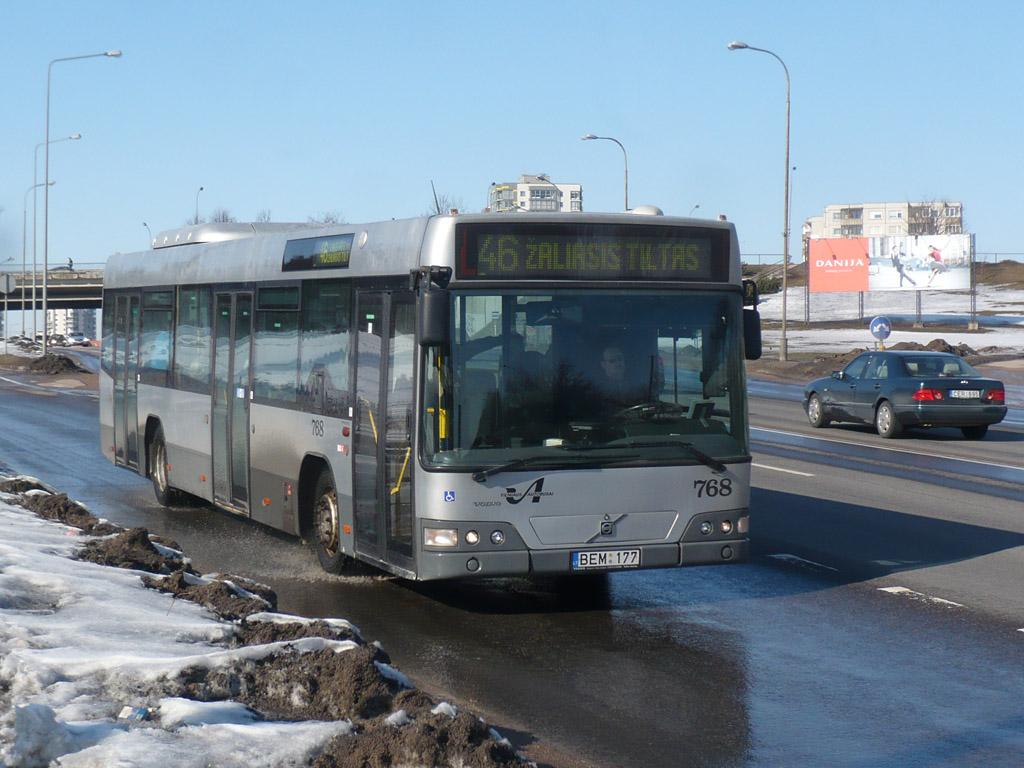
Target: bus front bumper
(460, 565)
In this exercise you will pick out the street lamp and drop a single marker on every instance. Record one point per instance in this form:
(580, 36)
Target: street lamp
(150, 233)
(35, 226)
(590, 137)
(46, 175)
(558, 192)
(24, 226)
(738, 46)
(196, 220)
(694, 208)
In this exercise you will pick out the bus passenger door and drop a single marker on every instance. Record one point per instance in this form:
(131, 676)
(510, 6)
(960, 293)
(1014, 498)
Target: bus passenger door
(383, 456)
(232, 335)
(126, 377)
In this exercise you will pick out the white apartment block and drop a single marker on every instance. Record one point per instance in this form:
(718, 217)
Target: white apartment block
(534, 193)
(886, 219)
(65, 321)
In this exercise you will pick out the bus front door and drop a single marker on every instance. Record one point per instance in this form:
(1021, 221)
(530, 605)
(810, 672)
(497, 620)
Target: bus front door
(232, 336)
(383, 461)
(126, 377)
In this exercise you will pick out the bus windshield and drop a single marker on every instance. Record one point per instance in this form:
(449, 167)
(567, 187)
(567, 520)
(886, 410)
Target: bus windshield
(570, 377)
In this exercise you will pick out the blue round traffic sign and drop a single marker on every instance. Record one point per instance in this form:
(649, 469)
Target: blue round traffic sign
(881, 328)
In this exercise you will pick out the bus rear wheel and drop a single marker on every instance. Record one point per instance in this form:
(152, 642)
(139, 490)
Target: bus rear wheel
(327, 524)
(166, 496)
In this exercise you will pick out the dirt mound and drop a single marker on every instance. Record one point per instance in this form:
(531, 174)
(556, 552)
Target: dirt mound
(230, 597)
(1006, 272)
(54, 365)
(133, 549)
(57, 506)
(803, 371)
(427, 738)
(22, 485)
(260, 632)
(937, 345)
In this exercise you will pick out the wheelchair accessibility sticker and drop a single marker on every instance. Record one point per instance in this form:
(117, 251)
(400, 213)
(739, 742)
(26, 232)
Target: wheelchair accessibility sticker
(449, 495)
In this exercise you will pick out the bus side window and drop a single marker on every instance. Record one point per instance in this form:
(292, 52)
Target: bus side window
(326, 313)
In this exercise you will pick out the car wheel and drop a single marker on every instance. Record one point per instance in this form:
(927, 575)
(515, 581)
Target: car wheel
(975, 432)
(886, 422)
(816, 412)
(166, 496)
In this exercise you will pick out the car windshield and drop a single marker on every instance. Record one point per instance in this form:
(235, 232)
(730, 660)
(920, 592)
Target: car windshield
(927, 366)
(586, 378)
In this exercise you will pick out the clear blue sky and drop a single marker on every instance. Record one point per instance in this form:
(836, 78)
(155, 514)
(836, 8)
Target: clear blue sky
(300, 108)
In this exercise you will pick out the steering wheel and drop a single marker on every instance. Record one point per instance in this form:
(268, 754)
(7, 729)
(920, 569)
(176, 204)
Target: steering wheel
(653, 408)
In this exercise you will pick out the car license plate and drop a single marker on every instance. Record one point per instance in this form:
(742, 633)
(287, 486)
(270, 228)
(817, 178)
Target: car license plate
(608, 558)
(965, 394)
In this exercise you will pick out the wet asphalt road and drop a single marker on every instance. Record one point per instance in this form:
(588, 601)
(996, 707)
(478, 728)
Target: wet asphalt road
(797, 658)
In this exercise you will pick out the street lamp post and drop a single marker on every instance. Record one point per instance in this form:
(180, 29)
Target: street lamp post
(35, 219)
(46, 176)
(694, 208)
(590, 137)
(558, 191)
(196, 220)
(150, 233)
(24, 227)
(738, 46)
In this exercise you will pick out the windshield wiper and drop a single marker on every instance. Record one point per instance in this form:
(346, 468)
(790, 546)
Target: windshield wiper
(482, 474)
(699, 455)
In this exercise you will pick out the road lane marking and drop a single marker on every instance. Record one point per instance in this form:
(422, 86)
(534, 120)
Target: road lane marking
(780, 469)
(875, 447)
(918, 596)
(794, 560)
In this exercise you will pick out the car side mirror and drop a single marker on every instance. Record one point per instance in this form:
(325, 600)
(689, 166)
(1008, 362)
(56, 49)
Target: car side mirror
(838, 375)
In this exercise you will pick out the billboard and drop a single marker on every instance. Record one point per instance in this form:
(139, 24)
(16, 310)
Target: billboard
(894, 263)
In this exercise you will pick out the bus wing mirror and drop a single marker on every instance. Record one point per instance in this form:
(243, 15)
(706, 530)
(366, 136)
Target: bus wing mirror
(433, 316)
(752, 333)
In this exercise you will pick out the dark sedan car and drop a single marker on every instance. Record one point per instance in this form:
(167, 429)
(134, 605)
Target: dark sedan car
(897, 389)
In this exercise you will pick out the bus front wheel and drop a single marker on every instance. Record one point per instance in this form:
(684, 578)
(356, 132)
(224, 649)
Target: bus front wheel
(327, 524)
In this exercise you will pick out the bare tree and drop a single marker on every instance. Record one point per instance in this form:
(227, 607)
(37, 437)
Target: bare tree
(326, 218)
(221, 215)
(445, 203)
(263, 216)
(193, 221)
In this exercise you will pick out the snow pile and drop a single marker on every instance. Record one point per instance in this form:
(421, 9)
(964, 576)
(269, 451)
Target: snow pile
(97, 668)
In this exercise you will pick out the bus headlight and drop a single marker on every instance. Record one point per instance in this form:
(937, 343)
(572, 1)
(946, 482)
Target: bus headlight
(472, 537)
(743, 525)
(497, 538)
(706, 528)
(726, 527)
(441, 537)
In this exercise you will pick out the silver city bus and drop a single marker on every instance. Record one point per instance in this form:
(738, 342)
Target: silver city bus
(451, 396)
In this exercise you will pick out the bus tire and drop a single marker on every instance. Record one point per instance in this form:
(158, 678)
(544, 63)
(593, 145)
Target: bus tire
(166, 496)
(327, 524)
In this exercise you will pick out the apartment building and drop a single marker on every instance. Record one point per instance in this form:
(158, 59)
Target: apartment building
(886, 219)
(534, 193)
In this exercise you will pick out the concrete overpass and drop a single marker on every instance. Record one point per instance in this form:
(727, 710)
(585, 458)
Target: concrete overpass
(65, 289)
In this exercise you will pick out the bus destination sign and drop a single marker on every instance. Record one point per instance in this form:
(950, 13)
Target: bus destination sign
(594, 252)
(318, 253)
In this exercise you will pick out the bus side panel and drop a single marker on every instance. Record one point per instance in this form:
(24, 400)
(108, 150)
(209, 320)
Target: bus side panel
(106, 385)
(185, 418)
(279, 441)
